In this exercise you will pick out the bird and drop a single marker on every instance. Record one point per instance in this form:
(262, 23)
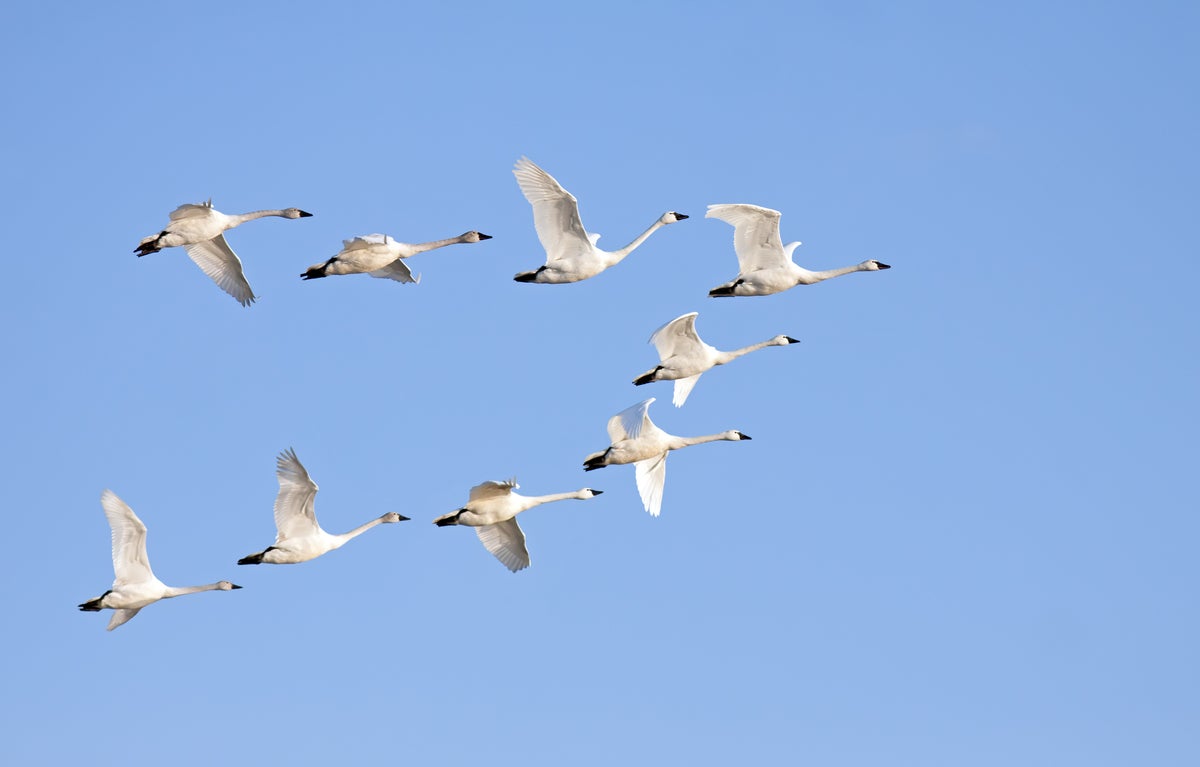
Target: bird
(571, 252)
(135, 585)
(199, 229)
(492, 509)
(299, 538)
(765, 264)
(381, 256)
(635, 439)
(683, 356)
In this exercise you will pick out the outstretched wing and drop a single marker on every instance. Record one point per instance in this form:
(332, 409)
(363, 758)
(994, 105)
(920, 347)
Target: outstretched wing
(398, 271)
(677, 337)
(651, 475)
(628, 424)
(755, 235)
(506, 541)
(121, 617)
(216, 259)
(130, 563)
(295, 516)
(492, 488)
(555, 211)
(190, 210)
(683, 387)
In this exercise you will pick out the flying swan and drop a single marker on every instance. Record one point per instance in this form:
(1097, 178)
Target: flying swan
(135, 585)
(381, 256)
(571, 253)
(299, 538)
(765, 264)
(492, 510)
(683, 356)
(635, 439)
(199, 229)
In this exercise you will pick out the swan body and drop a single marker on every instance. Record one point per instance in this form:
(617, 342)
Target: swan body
(635, 439)
(135, 585)
(381, 256)
(765, 264)
(683, 356)
(571, 252)
(299, 538)
(492, 510)
(199, 229)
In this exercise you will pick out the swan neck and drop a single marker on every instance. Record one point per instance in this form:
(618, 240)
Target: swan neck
(358, 530)
(424, 246)
(242, 218)
(178, 591)
(617, 255)
(723, 357)
(538, 500)
(811, 276)
(679, 442)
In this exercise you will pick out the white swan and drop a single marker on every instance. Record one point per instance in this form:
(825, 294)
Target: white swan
(492, 510)
(571, 253)
(683, 356)
(198, 228)
(765, 264)
(135, 585)
(299, 538)
(635, 439)
(381, 256)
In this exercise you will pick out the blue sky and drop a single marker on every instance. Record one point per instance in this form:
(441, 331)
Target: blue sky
(964, 531)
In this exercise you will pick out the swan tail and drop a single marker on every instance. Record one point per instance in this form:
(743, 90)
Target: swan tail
(149, 244)
(253, 559)
(529, 276)
(448, 519)
(93, 605)
(722, 290)
(596, 461)
(647, 377)
(316, 272)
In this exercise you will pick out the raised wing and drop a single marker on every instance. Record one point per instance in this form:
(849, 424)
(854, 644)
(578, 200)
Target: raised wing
(365, 242)
(677, 337)
(121, 617)
(216, 259)
(189, 210)
(628, 424)
(398, 271)
(506, 541)
(755, 236)
(651, 475)
(294, 513)
(492, 488)
(130, 564)
(555, 211)
(683, 387)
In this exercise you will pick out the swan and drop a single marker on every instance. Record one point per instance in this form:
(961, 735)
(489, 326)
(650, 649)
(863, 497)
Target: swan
(571, 253)
(299, 537)
(492, 509)
(381, 256)
(635, 439)
(198, 228)
(135, 585)
(765, 264)
(684, 356)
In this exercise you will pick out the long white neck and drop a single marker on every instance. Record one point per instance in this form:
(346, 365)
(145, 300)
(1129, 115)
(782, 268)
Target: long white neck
(242, 218)
(723, 357)
(424, 246)
(538, 500)
(616, 255)
(677, 442)
(358, 530)
(178, 591)
(809, 277)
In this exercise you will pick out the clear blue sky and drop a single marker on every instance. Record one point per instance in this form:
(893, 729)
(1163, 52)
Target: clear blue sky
(965, 530)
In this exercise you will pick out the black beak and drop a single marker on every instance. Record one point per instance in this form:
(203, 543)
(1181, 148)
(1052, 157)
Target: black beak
(597, 492)
(883, 265)
(744, 436)
(791, 340)
(483, 236)
(234, 585)
(403, 518)
(681, 216)
(305, 214)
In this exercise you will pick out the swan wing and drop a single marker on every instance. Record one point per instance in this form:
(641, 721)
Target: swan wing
(651, 475)
(491, 489)
(555, 211)
(630, 422)
(677, 337)
(683, 387)
(190, 210)
(295, 516)
(755, 235)
(398, 271)
(121, 617)
(216, 259)
(130, 563)
(506, 541)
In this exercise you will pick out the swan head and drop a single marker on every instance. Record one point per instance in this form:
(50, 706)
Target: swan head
(227, 586)
(474, 236)
(873, 266)
(588, 492)
(296, 213)
(671, 217)
(783, 340)
(392, 516)
(735, 436)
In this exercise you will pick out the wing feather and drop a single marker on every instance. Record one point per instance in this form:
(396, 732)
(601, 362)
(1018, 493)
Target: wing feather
(295, 515)
(677, 337)
(651, 475)
(216, 259)
(555, 211)
(492, 488)
(628, 424)
(398, 271)
(121, 617)
(683, 387)
(506, 541)
(130, 563)
(755, 235)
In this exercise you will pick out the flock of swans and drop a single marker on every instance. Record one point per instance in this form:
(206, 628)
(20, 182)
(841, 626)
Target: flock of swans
(765, 266)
